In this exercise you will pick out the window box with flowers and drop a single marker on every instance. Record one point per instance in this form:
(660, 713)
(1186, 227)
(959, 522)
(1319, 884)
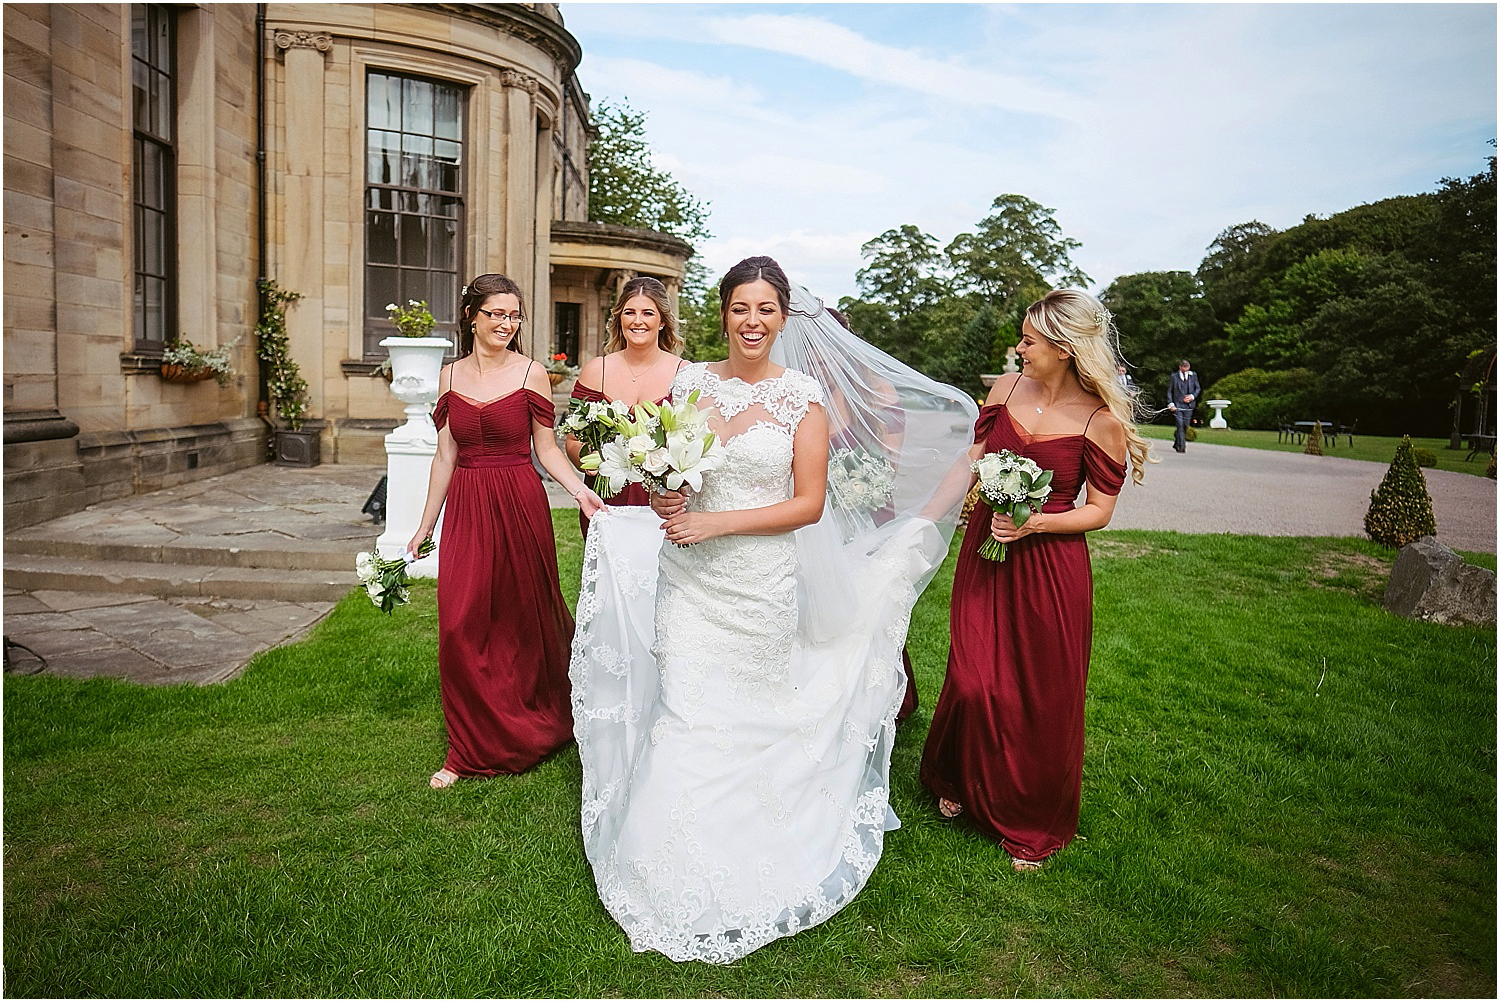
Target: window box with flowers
(184, 362)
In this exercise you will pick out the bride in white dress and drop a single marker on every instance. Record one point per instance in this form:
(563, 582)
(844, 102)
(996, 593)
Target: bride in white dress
(735, 685)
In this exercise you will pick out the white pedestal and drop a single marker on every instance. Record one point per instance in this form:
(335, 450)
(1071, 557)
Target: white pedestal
(1217, 421)
(415, 364)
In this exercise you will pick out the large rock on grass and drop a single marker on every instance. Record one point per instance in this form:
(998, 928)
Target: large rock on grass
(1432, 582)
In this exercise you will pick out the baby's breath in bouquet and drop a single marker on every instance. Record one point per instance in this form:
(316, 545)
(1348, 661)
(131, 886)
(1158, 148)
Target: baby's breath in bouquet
(860, 481)
(1012, 485)
(385, 580)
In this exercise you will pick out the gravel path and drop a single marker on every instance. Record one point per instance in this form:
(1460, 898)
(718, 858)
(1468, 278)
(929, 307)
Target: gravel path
(1225, 488)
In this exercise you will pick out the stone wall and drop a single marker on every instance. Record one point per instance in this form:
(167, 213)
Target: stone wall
(86, 417)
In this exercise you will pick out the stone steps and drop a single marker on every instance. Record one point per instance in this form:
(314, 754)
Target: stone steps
(35, 572)
(291, 555)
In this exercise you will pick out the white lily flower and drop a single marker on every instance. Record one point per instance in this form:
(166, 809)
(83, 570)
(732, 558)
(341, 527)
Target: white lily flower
(615, 465)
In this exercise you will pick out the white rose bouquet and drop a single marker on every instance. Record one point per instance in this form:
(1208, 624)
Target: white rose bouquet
(594, 422)
(385, 580)
(662, 446)
(1012, 485)
(860, 481)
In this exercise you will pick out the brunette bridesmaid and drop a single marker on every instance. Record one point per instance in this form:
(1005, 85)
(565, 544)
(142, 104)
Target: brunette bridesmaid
(504, 632)
(1006, 742)
(639, 363)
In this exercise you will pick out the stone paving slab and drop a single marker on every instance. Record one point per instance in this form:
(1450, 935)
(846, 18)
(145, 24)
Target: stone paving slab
(150, 640)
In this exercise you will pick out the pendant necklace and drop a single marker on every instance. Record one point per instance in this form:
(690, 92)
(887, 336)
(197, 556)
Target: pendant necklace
(635, 375)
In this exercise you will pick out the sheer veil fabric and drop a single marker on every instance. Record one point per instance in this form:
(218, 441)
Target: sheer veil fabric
(734, 701)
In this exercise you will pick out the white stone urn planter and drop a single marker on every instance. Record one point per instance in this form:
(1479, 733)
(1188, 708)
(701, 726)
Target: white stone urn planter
(415, 365)
(1217, 421)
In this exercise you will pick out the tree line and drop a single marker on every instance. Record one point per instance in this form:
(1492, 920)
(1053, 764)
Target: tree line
(1382, 314)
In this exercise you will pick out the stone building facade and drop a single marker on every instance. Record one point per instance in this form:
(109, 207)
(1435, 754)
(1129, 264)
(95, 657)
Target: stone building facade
(161, 158)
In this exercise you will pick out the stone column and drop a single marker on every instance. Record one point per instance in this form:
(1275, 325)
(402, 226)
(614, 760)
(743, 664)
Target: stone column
(302, 213)
(541, 290)
(520, 189)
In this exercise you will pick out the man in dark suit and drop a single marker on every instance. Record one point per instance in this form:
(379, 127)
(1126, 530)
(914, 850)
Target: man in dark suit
(1182, 396)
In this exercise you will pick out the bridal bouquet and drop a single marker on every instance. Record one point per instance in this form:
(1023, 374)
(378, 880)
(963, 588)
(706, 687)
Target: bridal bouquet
(385, 580)
(594, 422)
(1012, 485)
(663, 446)
(859, 480)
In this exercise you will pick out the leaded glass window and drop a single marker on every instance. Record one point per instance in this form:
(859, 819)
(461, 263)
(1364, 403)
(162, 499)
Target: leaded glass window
(414, 205)
(153, 46)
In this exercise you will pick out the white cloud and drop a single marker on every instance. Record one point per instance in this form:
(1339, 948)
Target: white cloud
(832, 45)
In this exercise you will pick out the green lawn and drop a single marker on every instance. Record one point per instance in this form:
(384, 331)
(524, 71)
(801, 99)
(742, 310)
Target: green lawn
(1287, 792)
(1373, 448)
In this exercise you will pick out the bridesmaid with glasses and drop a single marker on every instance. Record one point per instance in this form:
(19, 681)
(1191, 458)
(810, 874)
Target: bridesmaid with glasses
(640, 361)
(504, 631)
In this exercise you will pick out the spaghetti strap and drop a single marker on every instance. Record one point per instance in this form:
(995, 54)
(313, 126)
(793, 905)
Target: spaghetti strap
(1091, 419)
(1012, 392)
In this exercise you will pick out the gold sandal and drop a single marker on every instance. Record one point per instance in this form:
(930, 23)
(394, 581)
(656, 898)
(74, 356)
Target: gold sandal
(442, 779)
(948, 808)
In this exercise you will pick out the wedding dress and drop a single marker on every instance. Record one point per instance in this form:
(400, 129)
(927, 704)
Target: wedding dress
(734, 700)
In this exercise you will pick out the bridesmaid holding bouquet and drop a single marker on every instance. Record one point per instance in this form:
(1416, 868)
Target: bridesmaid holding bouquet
(1006, 742)
(639, 363)
(504, 632)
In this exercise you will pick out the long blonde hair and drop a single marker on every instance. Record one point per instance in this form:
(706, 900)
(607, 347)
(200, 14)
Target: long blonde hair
(1079, 323)
(668, 338)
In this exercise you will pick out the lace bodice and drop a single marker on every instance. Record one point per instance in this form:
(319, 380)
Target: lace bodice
(756, 422)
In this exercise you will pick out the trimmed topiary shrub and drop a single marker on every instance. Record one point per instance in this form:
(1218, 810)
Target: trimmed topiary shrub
(1425, 458)
(1259, 397)
(1489, 471)
(1314, 446)
(1400, 508)
(1190, 433)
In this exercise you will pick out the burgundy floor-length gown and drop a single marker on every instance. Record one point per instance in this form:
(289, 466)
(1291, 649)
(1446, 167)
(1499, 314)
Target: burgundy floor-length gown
(504, 632)
(633, 495)
(1006, 739)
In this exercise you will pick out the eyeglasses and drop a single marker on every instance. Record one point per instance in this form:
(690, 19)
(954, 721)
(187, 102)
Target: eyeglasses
(515, 319)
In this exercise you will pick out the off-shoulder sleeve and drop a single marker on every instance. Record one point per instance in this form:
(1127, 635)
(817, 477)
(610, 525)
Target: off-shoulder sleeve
(440, 412)
(986, 422)
(542, 408)
(581, 392)
(1100, 469)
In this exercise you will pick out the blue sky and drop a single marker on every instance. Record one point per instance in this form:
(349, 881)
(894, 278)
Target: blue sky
(811, 128)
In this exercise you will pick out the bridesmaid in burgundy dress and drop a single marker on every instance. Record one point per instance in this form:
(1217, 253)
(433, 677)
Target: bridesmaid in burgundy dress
(1006, 741)
(504, 632)
(639, 363)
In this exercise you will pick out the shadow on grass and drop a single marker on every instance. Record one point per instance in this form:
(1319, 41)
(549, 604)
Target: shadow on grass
(1286, 792)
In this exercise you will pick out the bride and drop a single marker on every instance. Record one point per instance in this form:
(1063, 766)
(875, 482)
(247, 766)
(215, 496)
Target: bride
(735, 684)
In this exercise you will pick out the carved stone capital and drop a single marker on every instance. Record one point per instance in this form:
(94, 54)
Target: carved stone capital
(302, 39)
(521, 81)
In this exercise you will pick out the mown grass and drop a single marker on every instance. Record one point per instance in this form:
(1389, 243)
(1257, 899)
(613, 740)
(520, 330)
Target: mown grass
(1374, 448)
(1287, 792)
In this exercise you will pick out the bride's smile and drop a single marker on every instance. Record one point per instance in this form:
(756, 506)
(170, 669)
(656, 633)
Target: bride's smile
(752, 321)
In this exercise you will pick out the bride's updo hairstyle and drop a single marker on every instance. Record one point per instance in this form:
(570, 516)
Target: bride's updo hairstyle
(473, 297)
(1079, 324)
(754, 269)
(668, 338)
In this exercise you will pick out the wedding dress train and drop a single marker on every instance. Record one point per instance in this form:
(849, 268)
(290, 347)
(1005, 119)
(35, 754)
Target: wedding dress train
(735, 712)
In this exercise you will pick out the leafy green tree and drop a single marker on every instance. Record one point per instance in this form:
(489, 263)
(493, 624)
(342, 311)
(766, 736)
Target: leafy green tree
(1230, 272)
(699, 315)
(1162, 316)
(905, 270)
(1273, 333)
(626, 188)
(1015, 255)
